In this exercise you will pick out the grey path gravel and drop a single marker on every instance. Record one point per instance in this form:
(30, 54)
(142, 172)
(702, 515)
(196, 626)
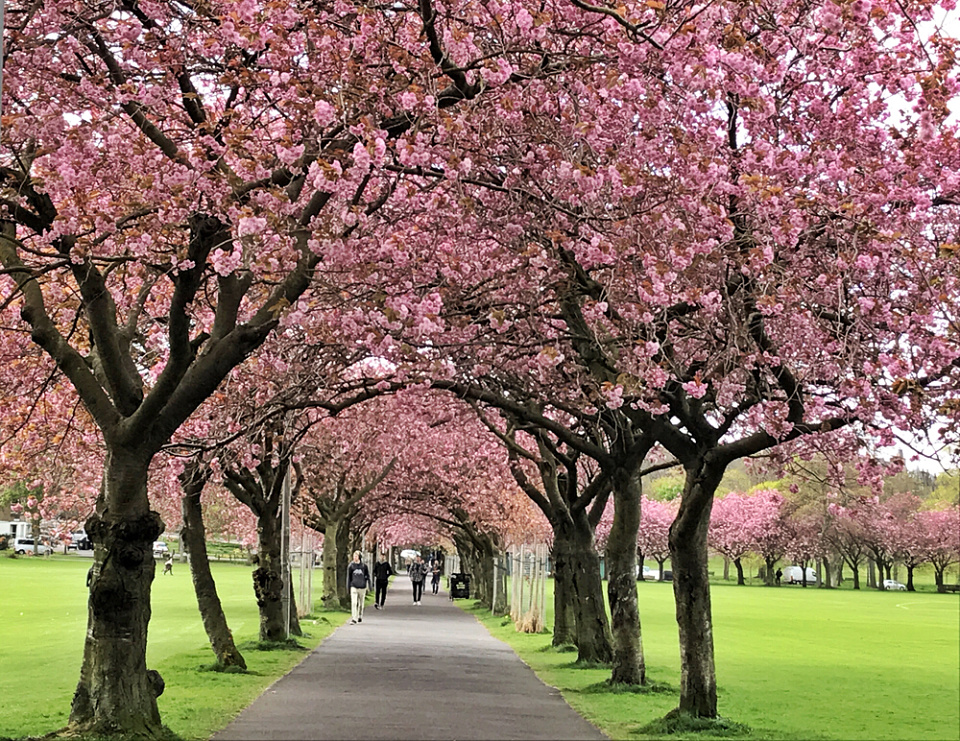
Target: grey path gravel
(410, 672)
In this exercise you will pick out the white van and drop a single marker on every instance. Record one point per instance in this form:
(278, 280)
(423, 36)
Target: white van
(25, 545)
(794, 575)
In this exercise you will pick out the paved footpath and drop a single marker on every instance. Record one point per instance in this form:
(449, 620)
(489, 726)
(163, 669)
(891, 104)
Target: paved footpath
(410, 672)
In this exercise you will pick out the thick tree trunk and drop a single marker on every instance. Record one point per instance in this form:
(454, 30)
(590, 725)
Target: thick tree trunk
(564, 615)
(827, 581)
(856, 576)
(740, 580)
(726, 569)
(116, 693)
(594, 642)
(485, 586)
(268, 578)
(910, 587)
(691, 589)
(193, 540)
(331, 595)
(500, 602)
(769, 575)
(621, 559)
(343, 560)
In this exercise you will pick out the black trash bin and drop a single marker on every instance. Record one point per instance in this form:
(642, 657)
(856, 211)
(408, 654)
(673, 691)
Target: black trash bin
(460, 586)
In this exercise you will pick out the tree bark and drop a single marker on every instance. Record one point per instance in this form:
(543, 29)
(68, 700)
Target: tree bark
(856, 577)
(500, 601)
(691, 589)
(343, 560)
(268, 578)
(621, 558)
(193, 540)
(564, 615)
(769, 577)
(726, 569)
(740, 580)
(331, 595)
(910, 587)
(594, 642)
(116, 693)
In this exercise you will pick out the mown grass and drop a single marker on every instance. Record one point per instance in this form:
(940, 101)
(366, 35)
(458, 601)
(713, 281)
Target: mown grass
(792, 663)
(43, 621)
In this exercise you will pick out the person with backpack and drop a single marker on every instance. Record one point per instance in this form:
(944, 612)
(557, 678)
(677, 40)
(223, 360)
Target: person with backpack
(382, 571)
(417, 573)
(358, 579)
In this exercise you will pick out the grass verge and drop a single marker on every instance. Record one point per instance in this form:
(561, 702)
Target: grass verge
(791, 664)
(43, 620)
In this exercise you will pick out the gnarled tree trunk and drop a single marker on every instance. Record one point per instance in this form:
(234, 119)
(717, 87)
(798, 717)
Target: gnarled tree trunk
(594, 642)
(268, 581)
(116, 693)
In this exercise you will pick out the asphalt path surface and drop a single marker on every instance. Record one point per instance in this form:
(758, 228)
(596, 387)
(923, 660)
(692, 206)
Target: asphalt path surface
(410, 672)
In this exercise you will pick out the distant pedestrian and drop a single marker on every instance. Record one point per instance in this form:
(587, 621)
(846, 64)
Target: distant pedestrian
(382, 571)
(418, 573)
(435, 583)
(778, 575)
(358, 579)
(168, 566)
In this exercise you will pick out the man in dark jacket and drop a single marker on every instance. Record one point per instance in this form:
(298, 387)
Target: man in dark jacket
(358, 579)
(382, 571)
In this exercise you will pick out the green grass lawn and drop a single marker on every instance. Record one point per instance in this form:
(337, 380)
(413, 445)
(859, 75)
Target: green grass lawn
(791, 664)
(43, 620)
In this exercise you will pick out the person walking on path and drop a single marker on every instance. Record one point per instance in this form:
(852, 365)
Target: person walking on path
(435, 583)
(382, 571)
(358, 579)
(417, 573)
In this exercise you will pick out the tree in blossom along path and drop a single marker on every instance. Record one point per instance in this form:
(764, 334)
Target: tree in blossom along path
(735, 241)
(173, 176)
(723, 231)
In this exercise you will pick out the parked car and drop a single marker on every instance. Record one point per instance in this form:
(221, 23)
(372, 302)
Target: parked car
(647, 574)
(794, 575)
(160, 549)
(26, 545)
(79, 542)
(892, 585)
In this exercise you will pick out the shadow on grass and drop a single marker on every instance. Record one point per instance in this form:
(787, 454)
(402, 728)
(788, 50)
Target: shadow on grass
(67, 734)
(566, 648)
(221, 669)
(677, 723)
(291, 644)
(650, 688)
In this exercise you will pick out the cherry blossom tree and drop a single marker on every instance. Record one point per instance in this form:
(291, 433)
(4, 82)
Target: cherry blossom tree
(731, 532)
(769, 530)
(804, 540)
(174, 175)
(941, 535)
(653, 536)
